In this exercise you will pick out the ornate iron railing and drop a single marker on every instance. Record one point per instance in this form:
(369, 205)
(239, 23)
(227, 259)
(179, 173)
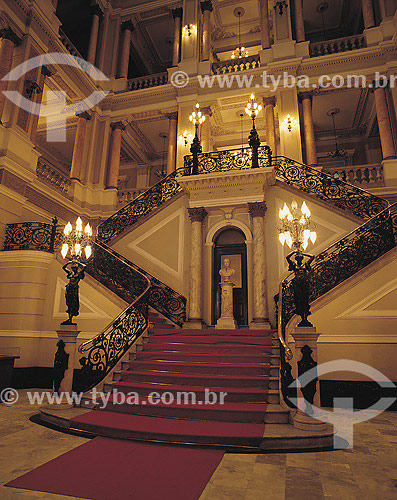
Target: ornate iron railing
(324, 186)
(39, 236)
(336, 264)
(234, 65)
(222, 161)
(102, 353)
(337, 45)
(142, 205)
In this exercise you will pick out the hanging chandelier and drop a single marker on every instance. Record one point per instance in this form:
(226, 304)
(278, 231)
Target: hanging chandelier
(240, 51)
(338, 153)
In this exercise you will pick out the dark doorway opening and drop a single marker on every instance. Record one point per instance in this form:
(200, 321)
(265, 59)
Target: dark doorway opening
(230, 243)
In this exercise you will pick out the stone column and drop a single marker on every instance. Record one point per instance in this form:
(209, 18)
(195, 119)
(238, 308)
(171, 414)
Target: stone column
(9, 40)
(368, 13)
(269, 103)
(45, 72)
(69, 334)
(114, 156)
(261, 317)
(265, 26)
(197, 216)
(206, 9)
(306, 337)
(177, 15)
(308, 127)
(299, 25)
(172, 132)
(385, 131)
(92, 45)
(78, 148)
(127, 28)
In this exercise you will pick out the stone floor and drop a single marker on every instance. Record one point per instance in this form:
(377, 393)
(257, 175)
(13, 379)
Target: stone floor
(368, 471)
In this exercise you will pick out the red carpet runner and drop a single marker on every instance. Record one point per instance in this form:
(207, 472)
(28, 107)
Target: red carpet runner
(112, 469)
(236, 362)
(233, 361)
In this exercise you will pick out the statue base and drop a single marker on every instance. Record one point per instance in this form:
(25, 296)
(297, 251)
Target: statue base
(226, 324)
(226, 321)
(69, 334)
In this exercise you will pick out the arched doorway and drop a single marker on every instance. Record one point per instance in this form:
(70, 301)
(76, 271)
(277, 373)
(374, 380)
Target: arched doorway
(230, 244)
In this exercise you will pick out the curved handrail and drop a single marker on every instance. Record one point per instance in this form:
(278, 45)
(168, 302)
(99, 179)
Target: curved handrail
(105, 349)
(338, 262)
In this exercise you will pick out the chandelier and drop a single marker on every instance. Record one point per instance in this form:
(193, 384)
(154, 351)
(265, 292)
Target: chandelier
(296, 227)
(76, 241)
(338, 153)
(240, 51)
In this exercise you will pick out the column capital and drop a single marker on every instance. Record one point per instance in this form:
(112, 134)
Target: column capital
(117, 126)
(127, 25)
(96, 11)
(269, 101)
(172, 116)
(177, 12)
(206, 5)
(257, 209)
(9, 34)
(380, 84)
(84, 114)
(197, 214)
(207, 110)
(305, 95)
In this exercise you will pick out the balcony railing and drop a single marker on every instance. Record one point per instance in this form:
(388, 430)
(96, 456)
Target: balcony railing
(127, 195)
(51, 175)
(361, 175)
(148, 81)
(234, 65)
(337, 45)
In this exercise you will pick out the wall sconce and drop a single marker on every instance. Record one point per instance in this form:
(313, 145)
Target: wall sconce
(289, 122)
(280, 6)
(185, 138)
(189, 30)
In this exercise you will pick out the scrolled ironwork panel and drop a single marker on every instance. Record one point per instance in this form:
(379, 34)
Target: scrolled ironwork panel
(29, 236)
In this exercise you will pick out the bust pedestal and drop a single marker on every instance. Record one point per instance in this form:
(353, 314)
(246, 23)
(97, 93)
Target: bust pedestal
(226, 321)
(69, 334)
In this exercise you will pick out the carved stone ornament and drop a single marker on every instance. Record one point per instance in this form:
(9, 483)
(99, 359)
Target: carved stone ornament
(197, 214)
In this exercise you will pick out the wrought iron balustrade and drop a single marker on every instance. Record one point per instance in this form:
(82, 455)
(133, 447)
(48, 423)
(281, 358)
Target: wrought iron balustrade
(223, 161)
(234, 65)
(39, 236)
(145, 82)
(51, 175)
(337, 45)
(336, 264)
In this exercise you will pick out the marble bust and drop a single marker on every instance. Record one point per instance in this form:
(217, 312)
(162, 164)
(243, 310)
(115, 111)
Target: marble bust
(226, 272)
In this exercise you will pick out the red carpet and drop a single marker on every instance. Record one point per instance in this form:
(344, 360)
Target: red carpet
(112, 469)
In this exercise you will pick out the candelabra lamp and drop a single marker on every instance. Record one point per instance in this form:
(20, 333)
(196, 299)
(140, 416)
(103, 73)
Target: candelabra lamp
(297, 230)
(253, 109)
(77, 244)
(197, 118)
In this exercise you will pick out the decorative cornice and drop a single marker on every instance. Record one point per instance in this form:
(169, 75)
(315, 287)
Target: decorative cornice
(257, 209)
(197, 214)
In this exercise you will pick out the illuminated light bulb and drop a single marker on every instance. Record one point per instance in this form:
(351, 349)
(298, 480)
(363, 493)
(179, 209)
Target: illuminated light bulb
(252, 97)
(302, 220)
(306, 234)
(88, 230)
(88, 251)
(294, 205)
(286, 210)
(79, 225)
(68, 229)
(289, 217)
(313, 236)
(281, 237)
(305, 210)
(288, 239)
(281, 214)
(304, 245)
(64, 251)
(77, 248)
